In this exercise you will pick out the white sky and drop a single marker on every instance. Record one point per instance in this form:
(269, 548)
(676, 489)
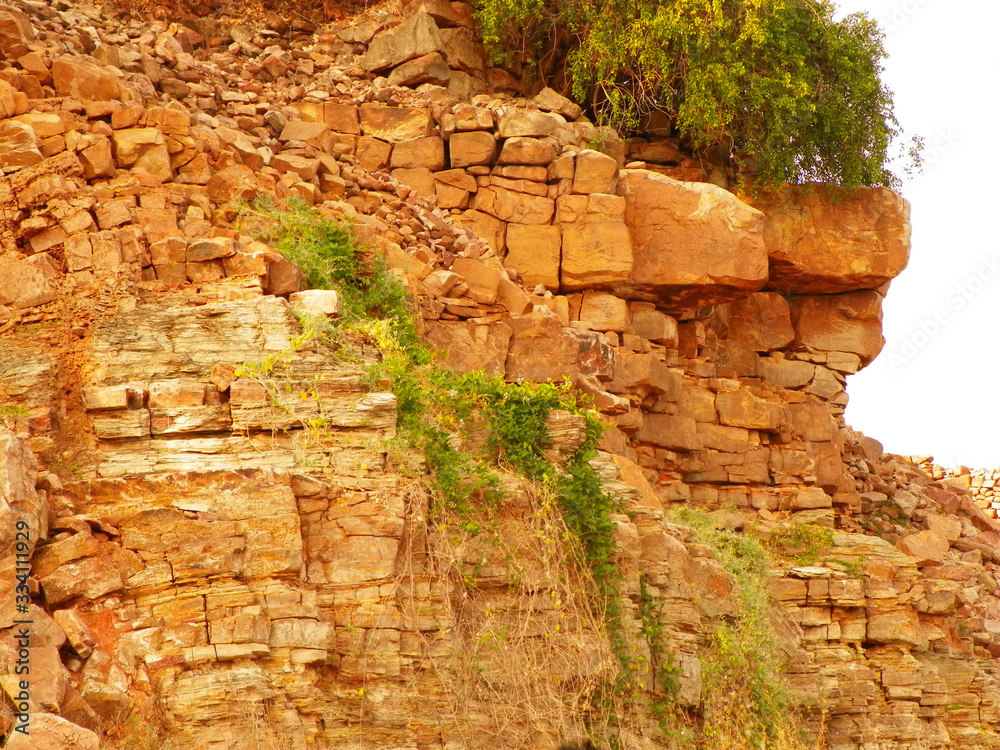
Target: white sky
(939, 394)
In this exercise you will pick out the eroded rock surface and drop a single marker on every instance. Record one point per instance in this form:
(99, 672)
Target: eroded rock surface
(202, 551)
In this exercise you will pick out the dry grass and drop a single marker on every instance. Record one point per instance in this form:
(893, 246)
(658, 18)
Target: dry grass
(530, 647)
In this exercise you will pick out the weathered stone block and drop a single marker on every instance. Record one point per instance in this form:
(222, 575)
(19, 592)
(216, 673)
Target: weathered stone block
(821, 243)
(394, 124)
(534, 252)
(695, 243)
(595, 255)
(841, 323)
(515, 207)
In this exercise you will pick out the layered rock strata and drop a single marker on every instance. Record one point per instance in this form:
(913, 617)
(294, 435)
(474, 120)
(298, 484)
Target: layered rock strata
(198, 550)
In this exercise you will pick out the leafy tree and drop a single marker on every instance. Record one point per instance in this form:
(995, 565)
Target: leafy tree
(788, 92)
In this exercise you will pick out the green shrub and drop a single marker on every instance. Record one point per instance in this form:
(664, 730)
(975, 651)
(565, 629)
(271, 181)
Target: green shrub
(790, 93)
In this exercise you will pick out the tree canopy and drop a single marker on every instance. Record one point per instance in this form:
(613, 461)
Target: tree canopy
(790, 93)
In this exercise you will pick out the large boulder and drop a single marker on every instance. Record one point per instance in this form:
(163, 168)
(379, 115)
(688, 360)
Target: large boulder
(694, 243)
(821, 242)
(762, 321)
(83, 78)
(418, 35)
(840, 323)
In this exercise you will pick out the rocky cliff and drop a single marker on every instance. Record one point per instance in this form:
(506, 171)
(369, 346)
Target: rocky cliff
(206, 571)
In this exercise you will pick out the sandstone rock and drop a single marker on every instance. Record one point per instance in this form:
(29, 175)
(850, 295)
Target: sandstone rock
(654, 325)
(513, 297)
(901, 627)
(342, 118)
(394, 124)
(18, 498)
(300, 130)
(469, 347)
(76, 630)
(49, 677)
(18, 143)
(421, 152)
(457, 178)
(539, 349)
(81, 79)
(283, 278)
(446, 14)
(462, 51)
(927, 547)
(90, 577)
(483, 281)
(143, 149)
(762, 321)
(945, 527)
(8, 100)
(849, 322)
(231, 183)
(786, 373)
(604, 312)
(97, 160)
(511, 206)
(595, 173)
(472, 149)
(596, 255)
(695, 243)
(416, 36)
(672, 432)
(534, 252)
(51, 732)
(449, 196)
(527, 151)
(28, 282)
(373, 154)
(822, 243)
(644, 374)
(420, 179)
(743, 409)
(210, 249)
(429, 68)
(492, 230)
(325, 302)
(15, 28)
(552, 101)
(523, 122)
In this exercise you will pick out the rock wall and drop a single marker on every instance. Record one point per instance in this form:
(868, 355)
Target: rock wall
(197, 551)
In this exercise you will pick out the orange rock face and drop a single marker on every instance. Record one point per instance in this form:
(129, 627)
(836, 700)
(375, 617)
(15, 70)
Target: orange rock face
(819, 243)
(840, 323)
(694, 243)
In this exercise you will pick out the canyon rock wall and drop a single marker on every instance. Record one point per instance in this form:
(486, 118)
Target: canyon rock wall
(198, 553)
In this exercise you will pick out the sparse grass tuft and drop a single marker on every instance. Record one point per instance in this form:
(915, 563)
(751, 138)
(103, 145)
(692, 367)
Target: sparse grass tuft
(746, 702)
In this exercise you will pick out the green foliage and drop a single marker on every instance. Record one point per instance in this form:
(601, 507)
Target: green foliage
(747, 703)
(802, 543)
(790, 93)
(326, 251)
(663, 705)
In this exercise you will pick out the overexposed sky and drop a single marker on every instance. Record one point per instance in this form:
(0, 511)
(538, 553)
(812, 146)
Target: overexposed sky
(935, 389)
